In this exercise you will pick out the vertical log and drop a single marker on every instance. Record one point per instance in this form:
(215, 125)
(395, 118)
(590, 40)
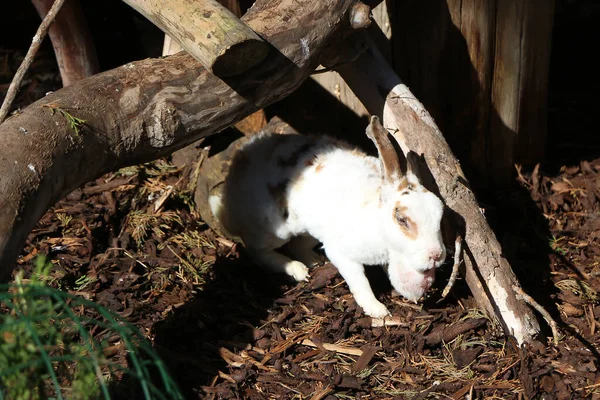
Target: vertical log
(71, 40)
(477, 25)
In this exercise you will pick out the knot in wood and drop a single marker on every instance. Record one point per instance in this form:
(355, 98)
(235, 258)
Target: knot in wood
(360, 16)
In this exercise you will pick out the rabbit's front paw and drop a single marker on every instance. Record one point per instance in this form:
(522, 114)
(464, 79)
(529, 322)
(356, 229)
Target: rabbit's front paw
(375, 309)
(297, 270)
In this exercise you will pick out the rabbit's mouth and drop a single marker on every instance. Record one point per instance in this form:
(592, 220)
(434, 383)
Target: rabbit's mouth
(410, 283)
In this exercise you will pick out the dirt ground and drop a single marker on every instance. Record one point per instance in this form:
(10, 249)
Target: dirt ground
(132, 241)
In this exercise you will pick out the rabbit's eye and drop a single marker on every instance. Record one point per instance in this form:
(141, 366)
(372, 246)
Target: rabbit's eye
(402, 220)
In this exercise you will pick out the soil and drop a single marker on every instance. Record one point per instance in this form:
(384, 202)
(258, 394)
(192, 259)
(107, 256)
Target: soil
(132, 242)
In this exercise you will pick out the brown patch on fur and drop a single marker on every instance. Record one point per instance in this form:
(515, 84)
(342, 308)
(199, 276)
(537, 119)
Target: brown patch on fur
(293, 159)
(278, 193)
(319, 167)
(403, 185)
(409, 227)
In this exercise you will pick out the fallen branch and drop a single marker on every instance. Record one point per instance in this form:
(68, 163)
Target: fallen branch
(455, 267)
(446, 334)
(488, 273)
(529, 300)
(33, 49)
(148, 109)
(388, 322)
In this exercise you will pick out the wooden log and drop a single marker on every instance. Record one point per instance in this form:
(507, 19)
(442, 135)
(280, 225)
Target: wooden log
(170, 46)
(73, 46)
(488, 273)
(481, 69)
(147, 109)
(208, 31)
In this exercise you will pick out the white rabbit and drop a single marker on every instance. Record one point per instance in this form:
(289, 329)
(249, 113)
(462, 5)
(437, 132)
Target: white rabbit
(294, 188)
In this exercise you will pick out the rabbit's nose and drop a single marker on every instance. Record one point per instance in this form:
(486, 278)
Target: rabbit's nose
(435, 254)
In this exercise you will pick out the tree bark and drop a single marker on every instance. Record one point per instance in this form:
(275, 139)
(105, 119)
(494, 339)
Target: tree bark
(208, 31)
(71, 40)
(147, 109)
(488, 273)
(170, 46)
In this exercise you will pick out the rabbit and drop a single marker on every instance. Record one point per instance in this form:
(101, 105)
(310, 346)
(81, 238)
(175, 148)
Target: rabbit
(302, 190)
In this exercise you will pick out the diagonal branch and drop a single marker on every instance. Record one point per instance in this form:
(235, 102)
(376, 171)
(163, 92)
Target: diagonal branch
(41, 33)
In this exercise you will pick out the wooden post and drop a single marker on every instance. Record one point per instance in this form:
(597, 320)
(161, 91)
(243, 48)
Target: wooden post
(71, 40)
(481, 69)
(209, 32)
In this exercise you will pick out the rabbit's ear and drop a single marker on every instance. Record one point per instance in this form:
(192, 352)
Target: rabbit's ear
(387, 153)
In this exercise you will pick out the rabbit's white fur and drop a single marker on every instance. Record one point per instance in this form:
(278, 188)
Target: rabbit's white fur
(284, 187)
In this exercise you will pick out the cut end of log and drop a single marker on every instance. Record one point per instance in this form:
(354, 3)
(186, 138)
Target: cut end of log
(239, 58)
